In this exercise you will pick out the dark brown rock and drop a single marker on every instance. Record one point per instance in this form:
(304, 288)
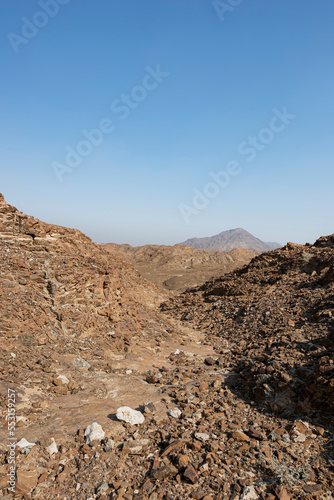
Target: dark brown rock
(172, 447)
(313, 489)
(209, 361)
(190, 474)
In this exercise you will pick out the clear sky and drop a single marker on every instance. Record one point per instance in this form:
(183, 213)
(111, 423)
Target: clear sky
(179, 90)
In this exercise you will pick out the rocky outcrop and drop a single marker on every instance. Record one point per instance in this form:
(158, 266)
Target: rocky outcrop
(57, 284)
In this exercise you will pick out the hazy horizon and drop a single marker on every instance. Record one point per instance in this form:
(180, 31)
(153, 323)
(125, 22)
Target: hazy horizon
(171, 243)
(163, 121)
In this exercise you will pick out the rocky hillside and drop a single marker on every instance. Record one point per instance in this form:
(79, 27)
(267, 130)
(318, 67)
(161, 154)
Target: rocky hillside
(56, 283)
(274, 322)
(114, 400)
(231, 239)
(179, 267)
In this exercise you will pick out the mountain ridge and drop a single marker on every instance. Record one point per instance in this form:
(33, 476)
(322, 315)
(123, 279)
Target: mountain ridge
(231, 239)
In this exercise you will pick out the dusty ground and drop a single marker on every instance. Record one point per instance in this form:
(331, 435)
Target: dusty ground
(100, 393)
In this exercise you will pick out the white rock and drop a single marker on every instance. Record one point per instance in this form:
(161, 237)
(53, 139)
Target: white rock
(94, 432)
(80, 362)
(129, 415)
(128, 372)
(21, 419)
(23, 443)
(177, 351)
(52, 449)
(249, 493)
(64, 380)
(110, 445)
(201, 436)
(176, 413)
(286, 438)
(299, 437)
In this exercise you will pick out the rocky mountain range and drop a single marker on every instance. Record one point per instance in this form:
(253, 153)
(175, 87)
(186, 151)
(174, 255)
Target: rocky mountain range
(179, 267)
(231, 239)
(124, 390)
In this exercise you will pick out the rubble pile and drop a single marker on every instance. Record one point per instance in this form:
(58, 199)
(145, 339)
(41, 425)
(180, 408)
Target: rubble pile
(218, 447)
(273, 323)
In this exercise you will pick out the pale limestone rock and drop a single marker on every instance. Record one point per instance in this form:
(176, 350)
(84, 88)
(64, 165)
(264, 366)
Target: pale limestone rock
(94, 432)
(64, 380)
(202, 436)
(249, 493)
(110, 445)
(129, 415)
(23, 443)
(52, 449)
(176, 413)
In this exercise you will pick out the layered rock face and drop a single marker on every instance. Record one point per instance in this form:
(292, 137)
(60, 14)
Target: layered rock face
(274, 322)
(56, 283)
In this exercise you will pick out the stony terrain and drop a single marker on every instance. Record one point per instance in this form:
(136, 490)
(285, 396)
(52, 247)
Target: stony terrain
(274, 319)
(179, 267)
(233, 379)
(231, 239)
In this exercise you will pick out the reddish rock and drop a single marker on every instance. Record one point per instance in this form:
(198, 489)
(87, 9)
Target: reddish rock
(172, 447)
(239, 435)
(147, 486)
(209, 361)
(281, 493)
(26, 480)
(152, 379)
(312, 489)
(203, 387)
(190, 474)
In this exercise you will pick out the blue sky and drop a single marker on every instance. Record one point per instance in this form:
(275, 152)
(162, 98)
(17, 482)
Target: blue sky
(146, 180)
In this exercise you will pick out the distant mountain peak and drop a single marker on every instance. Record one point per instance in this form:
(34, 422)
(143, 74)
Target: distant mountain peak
(231, 239)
